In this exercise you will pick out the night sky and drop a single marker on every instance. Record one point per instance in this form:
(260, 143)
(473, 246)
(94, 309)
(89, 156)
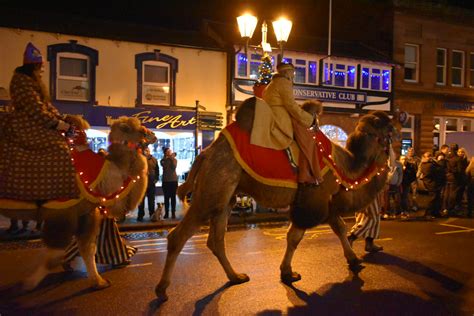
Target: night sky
(309, 15)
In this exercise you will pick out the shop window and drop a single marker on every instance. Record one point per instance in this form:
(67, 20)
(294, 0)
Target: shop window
(441, 66)
(375, 79)
(411, 62)
(156, 79)
(457, 68)
(407, 134)
(339, 75)
(471, 70)
(335, 134)
(72, 75)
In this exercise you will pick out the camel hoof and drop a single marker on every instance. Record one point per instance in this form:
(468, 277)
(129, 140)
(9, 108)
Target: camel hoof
(354, 262)
(102, 285)
(289, 278)
(161, 295)
(239, 279)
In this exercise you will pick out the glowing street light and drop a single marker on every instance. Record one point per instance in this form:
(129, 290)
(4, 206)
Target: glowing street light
(282, 28)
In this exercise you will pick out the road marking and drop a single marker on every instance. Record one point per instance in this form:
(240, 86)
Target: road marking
(139, 265)
(462, 230)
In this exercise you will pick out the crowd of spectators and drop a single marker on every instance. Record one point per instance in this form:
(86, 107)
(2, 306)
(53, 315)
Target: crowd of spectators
(440, 183)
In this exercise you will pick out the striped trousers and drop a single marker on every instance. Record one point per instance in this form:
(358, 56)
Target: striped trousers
(367, 221)
(111, 248)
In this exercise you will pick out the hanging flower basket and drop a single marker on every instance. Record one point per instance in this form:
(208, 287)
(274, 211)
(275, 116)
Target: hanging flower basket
(258, 89)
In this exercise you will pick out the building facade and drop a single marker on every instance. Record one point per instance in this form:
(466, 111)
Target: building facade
(102, 79)
(434, 83)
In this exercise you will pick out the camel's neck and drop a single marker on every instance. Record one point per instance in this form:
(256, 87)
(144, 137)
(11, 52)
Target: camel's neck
(360, 154)
(125, 160)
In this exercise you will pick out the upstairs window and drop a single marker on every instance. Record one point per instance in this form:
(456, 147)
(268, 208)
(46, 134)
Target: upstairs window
(156, 79)
(411, 63)
(156, 83)
(73, 72)
(441, 66)
(457, 68)
(300, 71)
(375, 79)
(73, 77)
(339, 75)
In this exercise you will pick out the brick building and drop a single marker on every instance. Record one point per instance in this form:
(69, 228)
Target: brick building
(434, 84)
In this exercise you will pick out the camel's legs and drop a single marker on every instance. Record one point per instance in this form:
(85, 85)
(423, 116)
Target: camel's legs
(338, 226)
(176, 240)
(51, 259)
(293, 238)
(87, 244)
(216, 243)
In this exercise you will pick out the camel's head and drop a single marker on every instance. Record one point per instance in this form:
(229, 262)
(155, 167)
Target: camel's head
(128, 131)
(379, 125)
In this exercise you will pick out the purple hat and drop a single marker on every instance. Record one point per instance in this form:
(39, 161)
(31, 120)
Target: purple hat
(32, 55)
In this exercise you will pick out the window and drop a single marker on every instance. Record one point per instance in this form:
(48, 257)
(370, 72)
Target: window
(411, 63)
(72, 72)
(335, 134)
(441, 66)
(300, 71)
(339, 75)
(255, 61)
(471, 70)
(313, 72)
(155, 83)
(72, 80)
(375, 78)
(407, 134)
(242, 65)
(457, 68)
(246, 69)
(156, 79)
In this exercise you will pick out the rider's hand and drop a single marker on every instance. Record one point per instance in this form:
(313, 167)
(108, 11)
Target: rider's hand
(63, 126)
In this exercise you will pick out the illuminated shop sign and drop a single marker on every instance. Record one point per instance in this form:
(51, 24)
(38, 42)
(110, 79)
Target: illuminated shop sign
(148, 116)
(329, 95)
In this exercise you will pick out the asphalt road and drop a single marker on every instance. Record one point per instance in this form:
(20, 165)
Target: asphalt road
(427, 268)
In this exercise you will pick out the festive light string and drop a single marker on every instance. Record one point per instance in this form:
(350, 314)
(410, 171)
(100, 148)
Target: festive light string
(348, 186)
(90, 189)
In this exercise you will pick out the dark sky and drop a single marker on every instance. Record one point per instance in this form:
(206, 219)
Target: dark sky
(309, 15)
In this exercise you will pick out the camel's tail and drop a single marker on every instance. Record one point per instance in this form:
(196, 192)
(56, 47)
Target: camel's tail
(188, 185)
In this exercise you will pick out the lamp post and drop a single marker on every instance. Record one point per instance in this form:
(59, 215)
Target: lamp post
(282, 28)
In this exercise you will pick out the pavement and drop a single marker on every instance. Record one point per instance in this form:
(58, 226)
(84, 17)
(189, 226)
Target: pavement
(242, 218)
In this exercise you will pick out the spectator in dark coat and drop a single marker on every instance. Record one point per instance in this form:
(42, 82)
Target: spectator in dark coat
(409, 176)
(470, 187)
(432, 177)
(455, 176)
(153, 176)
(170, 181)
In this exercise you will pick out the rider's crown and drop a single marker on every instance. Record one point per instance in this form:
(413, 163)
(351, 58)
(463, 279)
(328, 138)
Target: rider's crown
(32, 55)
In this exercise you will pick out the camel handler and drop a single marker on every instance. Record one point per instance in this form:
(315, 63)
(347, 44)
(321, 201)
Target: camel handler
(283, 120)
(35, 163)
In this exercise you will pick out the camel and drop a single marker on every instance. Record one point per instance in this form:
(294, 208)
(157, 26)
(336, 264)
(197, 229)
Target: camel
(216, 176)
(81, 218)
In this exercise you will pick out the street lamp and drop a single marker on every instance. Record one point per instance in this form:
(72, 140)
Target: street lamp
(282, 28)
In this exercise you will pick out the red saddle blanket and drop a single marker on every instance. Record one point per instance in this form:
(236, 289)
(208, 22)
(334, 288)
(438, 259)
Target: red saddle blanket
(273, 167)
(90, 170)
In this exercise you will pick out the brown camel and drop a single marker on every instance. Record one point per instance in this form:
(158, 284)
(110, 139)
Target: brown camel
(216, 177)
(82, 218)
